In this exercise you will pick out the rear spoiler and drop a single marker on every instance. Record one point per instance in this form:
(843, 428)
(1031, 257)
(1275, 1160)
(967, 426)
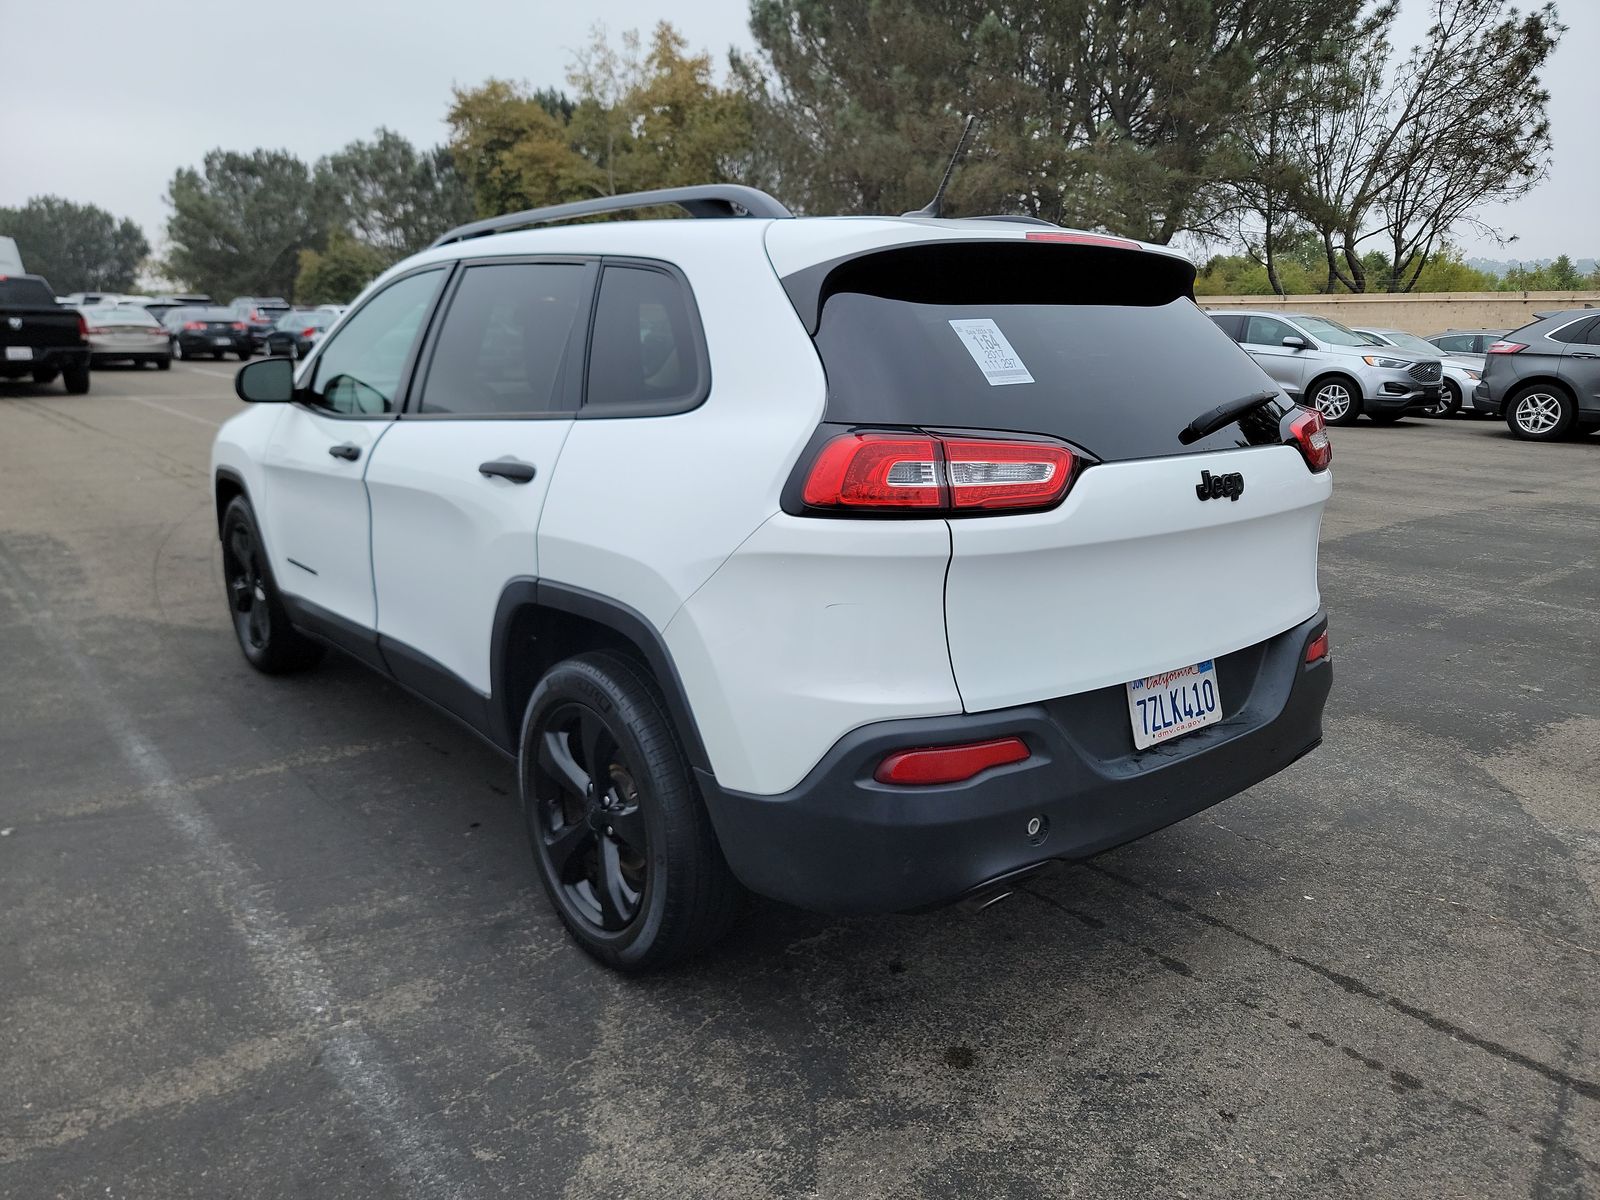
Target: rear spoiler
(1061, 269)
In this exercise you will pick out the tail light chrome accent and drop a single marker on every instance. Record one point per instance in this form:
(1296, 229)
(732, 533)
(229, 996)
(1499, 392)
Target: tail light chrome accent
(892, 472)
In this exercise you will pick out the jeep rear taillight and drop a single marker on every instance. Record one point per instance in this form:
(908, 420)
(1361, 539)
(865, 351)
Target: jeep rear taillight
(1310, 434)
(891, 472)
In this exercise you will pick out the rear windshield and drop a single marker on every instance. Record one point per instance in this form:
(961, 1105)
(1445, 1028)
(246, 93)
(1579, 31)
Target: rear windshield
(1091, 356)
(21, 291)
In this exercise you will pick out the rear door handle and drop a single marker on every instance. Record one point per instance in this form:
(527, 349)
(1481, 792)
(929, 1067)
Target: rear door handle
(1584, 354)
(348, 451)
(516, 472)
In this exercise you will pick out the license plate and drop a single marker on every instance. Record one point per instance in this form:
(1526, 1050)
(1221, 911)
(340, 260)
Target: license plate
(222, 341)
(19, 353)
(1173, 703)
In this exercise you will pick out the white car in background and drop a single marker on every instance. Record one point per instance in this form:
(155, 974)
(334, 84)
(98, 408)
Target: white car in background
(1461, 374)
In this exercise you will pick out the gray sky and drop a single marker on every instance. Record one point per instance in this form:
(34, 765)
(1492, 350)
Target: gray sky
(144, 90)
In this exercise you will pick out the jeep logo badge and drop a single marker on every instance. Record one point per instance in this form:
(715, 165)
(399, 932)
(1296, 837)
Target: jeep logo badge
(1215, 487)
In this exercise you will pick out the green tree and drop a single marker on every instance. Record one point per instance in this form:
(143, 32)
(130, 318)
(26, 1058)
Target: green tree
(1092, 112)
(392, 196)
(77, 247)
(636, 119)
(239, 224)
(337, 274)
(1405, 154)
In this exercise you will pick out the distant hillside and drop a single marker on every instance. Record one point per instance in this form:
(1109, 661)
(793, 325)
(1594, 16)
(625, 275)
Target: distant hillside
(1499, 266)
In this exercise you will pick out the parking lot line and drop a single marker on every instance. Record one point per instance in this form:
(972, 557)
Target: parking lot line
(173, 411)
(415, 1149)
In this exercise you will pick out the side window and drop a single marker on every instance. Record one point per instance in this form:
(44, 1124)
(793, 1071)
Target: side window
(1576, 332)
(358, 372)
(1457, 344)
(1267, 331)
(645, 351)
(507, 340)
(1594, 334)
(1232, 325)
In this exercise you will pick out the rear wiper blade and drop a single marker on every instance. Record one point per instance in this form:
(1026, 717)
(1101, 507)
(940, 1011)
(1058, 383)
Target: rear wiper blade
(1223, 414)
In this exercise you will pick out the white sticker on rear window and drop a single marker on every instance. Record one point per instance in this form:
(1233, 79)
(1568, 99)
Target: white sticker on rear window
(990, 350)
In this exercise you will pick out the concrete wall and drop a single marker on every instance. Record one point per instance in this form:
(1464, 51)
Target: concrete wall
(1421, 314)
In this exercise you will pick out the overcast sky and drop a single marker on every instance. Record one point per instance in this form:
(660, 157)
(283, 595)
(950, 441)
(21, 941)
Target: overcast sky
(131, 92)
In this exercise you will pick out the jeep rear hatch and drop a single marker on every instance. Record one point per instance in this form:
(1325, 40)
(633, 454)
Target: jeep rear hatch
(1097, 347)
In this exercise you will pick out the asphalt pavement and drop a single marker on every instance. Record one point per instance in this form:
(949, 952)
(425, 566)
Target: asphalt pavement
(281, 937)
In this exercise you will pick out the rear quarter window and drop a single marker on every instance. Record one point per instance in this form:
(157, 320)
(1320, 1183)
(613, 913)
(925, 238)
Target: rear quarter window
(28, 293)
(1110, 352)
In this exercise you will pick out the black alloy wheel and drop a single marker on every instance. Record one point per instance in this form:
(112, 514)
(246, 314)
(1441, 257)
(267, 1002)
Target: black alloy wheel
(247, 588)
(270, 643)
(592, 834)
(622, 842)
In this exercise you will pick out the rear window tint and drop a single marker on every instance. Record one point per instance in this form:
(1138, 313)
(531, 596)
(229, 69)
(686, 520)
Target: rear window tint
(646, 355)
(25, 292)
(1112, 364)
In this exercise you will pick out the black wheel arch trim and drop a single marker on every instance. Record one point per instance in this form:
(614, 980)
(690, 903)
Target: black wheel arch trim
(627, 622)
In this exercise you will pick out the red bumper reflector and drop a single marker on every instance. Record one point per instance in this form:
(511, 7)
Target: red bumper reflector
(1318, 649)
(949, 764)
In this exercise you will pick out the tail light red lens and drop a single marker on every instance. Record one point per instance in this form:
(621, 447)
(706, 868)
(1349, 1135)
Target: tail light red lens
(1318, 649)
(238, 326)
(949, 764)
(875, 470)
(1311, 435)
(897, 472)
(194, 324)
(308, 331)
(1507, 347)
(987, 474)
(83, 326)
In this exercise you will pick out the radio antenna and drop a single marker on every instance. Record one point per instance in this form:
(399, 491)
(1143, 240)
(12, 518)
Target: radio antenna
(933, 207)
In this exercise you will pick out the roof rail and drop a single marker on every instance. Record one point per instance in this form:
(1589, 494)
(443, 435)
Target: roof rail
(704, 200)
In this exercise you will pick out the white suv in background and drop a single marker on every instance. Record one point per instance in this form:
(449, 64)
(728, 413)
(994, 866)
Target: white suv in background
(1334, 369)
(868, 563)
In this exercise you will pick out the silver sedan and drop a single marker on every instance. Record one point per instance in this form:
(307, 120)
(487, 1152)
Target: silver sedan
(126, 333)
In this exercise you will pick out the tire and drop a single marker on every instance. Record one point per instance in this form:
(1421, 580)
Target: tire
(1449, 401)
(1337, 398)
(76, 379)
(270, 644)
(164, 363)
(634, 871)
(44, 375)
(245, 356)
(177, 349)
(1540, 412)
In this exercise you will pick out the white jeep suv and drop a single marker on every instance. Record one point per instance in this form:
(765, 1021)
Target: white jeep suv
(867, 563)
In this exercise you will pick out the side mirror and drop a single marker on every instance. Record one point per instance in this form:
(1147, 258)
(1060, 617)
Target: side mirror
(266, 381)
(1295, 343)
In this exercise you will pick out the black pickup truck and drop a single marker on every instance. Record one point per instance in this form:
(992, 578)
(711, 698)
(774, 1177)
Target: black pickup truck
(39, 337)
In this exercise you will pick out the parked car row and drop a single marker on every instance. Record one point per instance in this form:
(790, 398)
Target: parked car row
(1543, 379)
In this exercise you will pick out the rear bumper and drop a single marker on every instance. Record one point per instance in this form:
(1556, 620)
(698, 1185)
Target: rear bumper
(1485, 401)
(208, 343)
(45, 358)
(842, 842)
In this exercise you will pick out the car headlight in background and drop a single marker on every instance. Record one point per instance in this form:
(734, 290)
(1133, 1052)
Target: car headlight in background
(1374, 360)
(1472, 374)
